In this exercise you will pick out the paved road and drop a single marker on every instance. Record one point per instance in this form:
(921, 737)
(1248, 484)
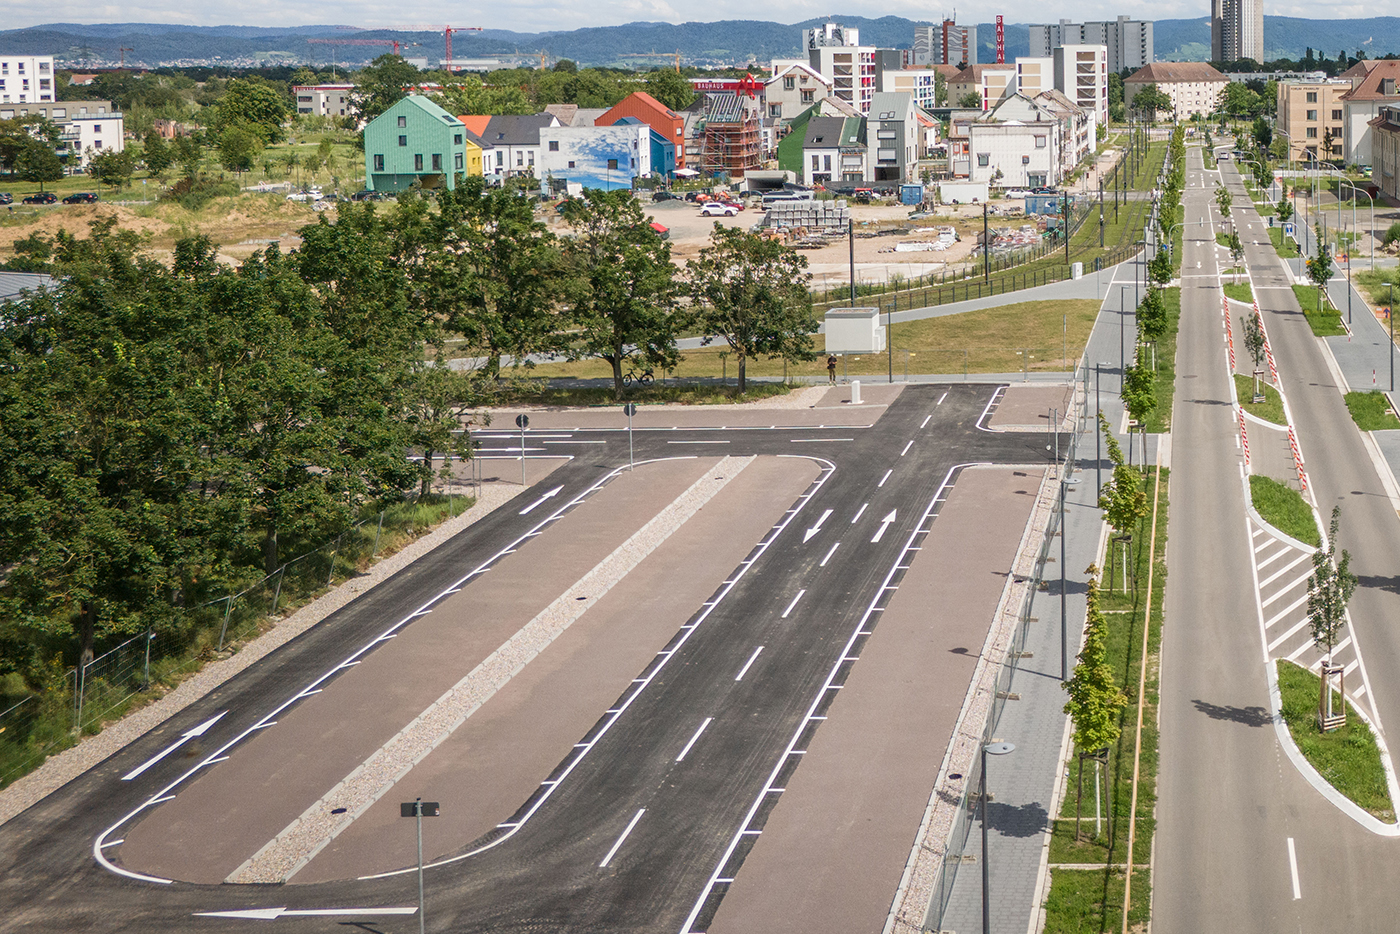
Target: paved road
(548, 875)
(1230, 802)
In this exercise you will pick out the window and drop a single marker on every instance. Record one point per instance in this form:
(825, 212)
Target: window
(437, 162)
(1312, 132)
(500, 160)
(403, 121)
(97, 128)
(378, 163)
(1040, 142)
(519, 159)
(775, 110)
(403, 140)
(789, 84)
(1312, 115)
(816, 162)
(1336, 115)
(456, 139)
(417, 162)
(984, 159)
(1312, 97)
(612, 165)
(458, 160)
(808, 95)
(554, 145)
(571, 164)
(60, 112)
(532, 159)
(827, 160)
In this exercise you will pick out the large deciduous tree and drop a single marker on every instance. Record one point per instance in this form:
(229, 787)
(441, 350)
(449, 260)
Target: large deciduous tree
(252, 103)
(381, 84)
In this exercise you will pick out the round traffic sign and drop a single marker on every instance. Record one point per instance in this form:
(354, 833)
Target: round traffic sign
(522, 421)
(630, 409)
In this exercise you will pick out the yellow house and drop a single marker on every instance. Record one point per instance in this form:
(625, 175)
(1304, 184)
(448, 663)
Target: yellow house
(473, 157)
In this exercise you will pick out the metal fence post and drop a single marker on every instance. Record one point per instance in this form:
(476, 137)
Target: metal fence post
(379, 528)
(146, 676)
(277, 593)
(228, 609)
(330, 572)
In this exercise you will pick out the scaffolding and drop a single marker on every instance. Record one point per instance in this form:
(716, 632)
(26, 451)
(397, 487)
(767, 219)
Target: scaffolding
(731, 137)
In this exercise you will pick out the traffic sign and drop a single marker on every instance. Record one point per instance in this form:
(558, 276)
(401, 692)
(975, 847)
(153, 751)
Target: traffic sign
(522, 421)
(410, 808)
(630, 409)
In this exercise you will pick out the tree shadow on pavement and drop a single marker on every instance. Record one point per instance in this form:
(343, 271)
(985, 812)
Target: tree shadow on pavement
(1248, 716)
(1390, 584)
(1012, 820)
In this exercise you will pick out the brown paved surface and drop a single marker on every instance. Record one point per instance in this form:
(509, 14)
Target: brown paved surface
(494, 761)
(831, 855)
(225, 816)
(1030, 405)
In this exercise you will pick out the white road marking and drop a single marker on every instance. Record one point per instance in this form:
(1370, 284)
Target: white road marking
(810, 440)
(188, 735)
(791, 605)
(906, 448)
(885, 477)
(829, 554)
(706, 722)
(1293, 869)
(752, 658)
(272, 914)
(941, 398)
(925, 422)
(697, 442)
(1284, 570)
(884, 524)
(859, 512)
(816, 528)
(618, 845)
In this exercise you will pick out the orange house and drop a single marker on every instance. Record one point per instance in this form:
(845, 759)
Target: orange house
(654, 114)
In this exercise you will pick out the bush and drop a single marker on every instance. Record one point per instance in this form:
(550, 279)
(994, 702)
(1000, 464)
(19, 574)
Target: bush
(194, 193)
(1392, 234)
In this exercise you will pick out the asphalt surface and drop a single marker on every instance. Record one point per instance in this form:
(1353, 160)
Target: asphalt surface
(665, 830)
(1245, 844)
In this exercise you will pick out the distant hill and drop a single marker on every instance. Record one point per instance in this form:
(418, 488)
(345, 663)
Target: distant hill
(729, 41)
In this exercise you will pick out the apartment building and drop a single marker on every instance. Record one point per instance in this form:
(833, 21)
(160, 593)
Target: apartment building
(1236, 30)
(830, 35)
(1379, 87)
(1193, 87)
(1081, 74)
(1311, 117)
(947, 43)
(1385, 150)
(27, 79)
(792, 89)
(1021, 142)
(855, 70)
(1129, 42)
(84, 127)
(920, 83)
(414, 142)
(893, 133)
(1034, 75)
(323, 100)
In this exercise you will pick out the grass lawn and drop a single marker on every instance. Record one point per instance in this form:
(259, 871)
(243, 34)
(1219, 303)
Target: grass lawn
(1161, 418)
(1348, 757)
(1371, 411)
(1375, 283)
(1326, 322)
(1283, 246)
(1270, 410)
(1284, 508)
(1240, 292)
(1091, 900)
(991, 340)
(1222, 239)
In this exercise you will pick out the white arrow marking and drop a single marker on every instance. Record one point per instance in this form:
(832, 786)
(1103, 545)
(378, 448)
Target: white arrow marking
(272, 914)
(884, 524)
(551, 493)
(816, 528)
(189, 735)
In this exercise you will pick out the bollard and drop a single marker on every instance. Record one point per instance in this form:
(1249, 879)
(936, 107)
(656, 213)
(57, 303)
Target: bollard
(855, 392)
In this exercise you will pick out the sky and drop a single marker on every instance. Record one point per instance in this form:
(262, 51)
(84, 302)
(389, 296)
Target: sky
(552, 15)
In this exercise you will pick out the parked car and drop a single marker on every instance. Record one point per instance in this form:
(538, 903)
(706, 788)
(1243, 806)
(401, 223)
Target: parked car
(6, 198)
(43, 197)
(1015, 193)
(1044, 191)
(310, 194)
(81, 197)
(738, 205)
(368, 195)
(719, 209)
(664, 195)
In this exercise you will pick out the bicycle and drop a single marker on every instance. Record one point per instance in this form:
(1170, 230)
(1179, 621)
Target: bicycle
(643, 378)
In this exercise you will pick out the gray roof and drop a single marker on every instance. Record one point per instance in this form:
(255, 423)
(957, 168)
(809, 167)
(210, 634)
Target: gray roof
(900, 102)
(824, 132)
(12, 284)
(517, 129)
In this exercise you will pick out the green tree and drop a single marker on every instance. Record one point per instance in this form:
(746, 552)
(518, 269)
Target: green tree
(1115, 89)
(1161, 268)
(39, 164)
(670, 88)
(381, 84)
(251, 102)
(1222, 199)
(113, 168)
(1263, 132)
(471, 95)
(18, 133)
(239, 148)
(1284, 210)
(1235, 246)
(1330, 587)
(1152, 315)
(1122, 499)
(156, 154)
(621, 284)
(189, 154)
(970, 99)
(1095, 701)
(1151, 100)
(752, 292)
(1139, 389)
(1320, 266)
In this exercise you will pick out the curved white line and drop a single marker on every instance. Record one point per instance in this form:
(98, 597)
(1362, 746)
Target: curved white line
(996, 397)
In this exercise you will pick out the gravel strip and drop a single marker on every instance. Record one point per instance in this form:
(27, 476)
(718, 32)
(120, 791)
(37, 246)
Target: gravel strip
(69, 764)
(926, 860)
(804, 398)
(300, 841)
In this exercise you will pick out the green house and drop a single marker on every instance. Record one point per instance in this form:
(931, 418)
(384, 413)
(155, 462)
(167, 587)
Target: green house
(414, 141)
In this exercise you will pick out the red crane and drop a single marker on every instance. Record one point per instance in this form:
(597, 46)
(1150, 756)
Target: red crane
(447, 32)
(394, 42)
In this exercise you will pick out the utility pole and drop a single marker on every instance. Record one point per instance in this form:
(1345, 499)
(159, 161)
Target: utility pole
(1066, 216)
(986, 248)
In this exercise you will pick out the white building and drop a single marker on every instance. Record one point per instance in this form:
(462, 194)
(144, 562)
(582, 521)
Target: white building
(793, 87)
(27, 79)
(855, 70)
(1025, 142)
(605, 157)
(829, 35)
(1193, 87)
(919, 83)
(1034, 75)
(1081, 74)
(84, 127)
(1129, 42)
(324, 100)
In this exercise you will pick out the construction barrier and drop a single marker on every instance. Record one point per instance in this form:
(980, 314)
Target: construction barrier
(1268, 351)
(1244, 437)
(1297, 458)
(1229, 332)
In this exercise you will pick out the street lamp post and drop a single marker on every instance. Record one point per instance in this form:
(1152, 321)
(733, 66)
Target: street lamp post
(1064, 619)
(996, 749)
(889, 336)
(1098, 431)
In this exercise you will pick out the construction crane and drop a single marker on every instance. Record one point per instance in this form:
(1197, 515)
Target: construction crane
(394, 42)
(447, 32)
(121, 52)
(675, 55)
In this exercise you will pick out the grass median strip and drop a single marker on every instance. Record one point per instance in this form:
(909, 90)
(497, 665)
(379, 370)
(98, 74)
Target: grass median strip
(1348, 758)
(1325, 321)
(1371, 411)
(1239, 291)
(1282, 245)
(1160, 420)
(1270, 410)
(1284, 508)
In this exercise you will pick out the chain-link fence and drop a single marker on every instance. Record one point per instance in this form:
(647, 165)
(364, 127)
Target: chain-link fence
(80, 700)
(1006, 672)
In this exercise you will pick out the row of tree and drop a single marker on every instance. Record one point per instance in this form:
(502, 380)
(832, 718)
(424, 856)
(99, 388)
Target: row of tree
(170, 433)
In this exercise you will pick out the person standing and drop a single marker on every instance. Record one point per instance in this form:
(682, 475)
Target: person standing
(831, 368)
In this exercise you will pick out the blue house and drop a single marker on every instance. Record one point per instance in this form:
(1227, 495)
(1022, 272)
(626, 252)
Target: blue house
(663, 150)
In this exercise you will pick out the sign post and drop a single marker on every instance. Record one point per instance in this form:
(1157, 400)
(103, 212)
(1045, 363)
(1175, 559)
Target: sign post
(419, 809)
(631, 409)
(522, 422)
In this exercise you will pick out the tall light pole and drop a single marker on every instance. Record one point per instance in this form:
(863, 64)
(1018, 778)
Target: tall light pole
(1098, 431)
(996, 749)
(1064, 619)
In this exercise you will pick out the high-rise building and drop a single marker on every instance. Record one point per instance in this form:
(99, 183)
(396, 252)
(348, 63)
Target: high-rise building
(830, 35)
(1129, 42)
(27, 79)
(945, 44)
(1236, 30)
(855, 70)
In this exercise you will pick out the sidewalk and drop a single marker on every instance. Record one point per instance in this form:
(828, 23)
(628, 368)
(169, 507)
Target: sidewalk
(1023, 784)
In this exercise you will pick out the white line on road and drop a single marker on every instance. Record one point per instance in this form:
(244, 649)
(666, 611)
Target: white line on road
(697, 442)
(272, 914)
(885, 477)
(925, 422)
(1293, 869)
(789, 607)
(811, 440)
(906, 448)
(618, 845)
(752, 658)
(706, 722)
(859, 512)
(884, 524)
(816, 528)
(829, 554)
(941, 398)
(188, 735)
